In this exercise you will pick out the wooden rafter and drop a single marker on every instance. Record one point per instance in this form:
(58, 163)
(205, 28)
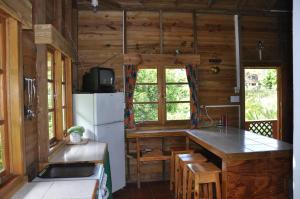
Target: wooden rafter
(107, 4)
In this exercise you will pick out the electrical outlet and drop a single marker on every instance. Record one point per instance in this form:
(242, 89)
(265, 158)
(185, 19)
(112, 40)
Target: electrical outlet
(235, 99)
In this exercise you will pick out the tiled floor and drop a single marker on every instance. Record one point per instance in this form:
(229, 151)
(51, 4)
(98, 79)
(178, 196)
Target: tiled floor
(148, 190)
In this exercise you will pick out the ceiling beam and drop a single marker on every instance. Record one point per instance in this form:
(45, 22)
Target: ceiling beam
(106, 4)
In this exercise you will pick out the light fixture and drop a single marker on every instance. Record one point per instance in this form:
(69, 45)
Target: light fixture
(215, 61)
(95, 5)
(260, 47)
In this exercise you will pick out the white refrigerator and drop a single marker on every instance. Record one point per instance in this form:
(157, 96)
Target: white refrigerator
(102, 116)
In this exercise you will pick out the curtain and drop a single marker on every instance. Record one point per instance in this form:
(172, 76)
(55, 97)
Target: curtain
(130, 80)
(195, 104)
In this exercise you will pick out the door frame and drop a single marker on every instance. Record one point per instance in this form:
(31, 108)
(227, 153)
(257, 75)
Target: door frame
(279, 94)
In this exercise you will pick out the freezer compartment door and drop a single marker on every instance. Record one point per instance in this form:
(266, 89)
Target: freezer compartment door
(113, 135)
(109, 108)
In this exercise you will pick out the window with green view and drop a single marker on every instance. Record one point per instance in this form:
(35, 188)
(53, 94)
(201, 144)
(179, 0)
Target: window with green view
(161, 95)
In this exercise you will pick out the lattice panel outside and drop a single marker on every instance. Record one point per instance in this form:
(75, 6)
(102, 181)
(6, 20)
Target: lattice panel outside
(262, 128)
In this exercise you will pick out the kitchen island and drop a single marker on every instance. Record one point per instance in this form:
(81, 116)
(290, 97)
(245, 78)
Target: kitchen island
(253, 166)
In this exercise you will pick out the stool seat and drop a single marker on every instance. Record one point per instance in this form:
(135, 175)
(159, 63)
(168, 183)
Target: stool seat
(205, 167)
(192, 158)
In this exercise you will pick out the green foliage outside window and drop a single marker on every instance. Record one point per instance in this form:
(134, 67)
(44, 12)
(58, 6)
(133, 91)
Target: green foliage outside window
(260, 94)
(146, 95)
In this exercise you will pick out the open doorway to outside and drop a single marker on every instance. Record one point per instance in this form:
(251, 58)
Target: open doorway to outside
(261, 101)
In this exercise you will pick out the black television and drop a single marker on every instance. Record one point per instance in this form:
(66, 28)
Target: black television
(99, 80)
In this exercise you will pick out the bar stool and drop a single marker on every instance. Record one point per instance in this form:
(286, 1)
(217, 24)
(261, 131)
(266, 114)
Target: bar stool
(175, 151)
(181, 172)
(205, 175)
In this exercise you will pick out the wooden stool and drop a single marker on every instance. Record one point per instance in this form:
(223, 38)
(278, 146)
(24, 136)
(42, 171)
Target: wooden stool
(175, 151)
(180, 162)
(205, 174)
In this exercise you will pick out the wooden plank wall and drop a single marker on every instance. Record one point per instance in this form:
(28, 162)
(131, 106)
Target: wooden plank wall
(100, 37)
(29, 50)
(30, 130)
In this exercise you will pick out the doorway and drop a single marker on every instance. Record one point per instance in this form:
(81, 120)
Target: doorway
(262, 110)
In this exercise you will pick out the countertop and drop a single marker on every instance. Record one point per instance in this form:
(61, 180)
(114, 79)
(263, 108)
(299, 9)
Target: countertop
(79, 189)
(225, 142)
(90, 152)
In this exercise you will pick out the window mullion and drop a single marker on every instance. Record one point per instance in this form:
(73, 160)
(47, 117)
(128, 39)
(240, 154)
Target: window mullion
(161, 86)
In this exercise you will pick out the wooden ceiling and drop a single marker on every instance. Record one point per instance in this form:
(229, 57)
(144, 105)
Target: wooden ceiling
(188, 5)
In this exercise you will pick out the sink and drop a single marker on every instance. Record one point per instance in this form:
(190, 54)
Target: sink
(70, 170)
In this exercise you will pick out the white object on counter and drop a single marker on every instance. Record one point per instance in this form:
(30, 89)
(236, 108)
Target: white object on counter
(75, 137)
(80, 189)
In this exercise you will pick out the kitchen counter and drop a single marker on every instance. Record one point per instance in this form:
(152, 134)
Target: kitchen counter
(225, 142)
(90, 152)
(79, 189)
(253, 166)
(237, 143)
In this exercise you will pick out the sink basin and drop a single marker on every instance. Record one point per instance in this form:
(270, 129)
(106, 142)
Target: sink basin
(72, 170)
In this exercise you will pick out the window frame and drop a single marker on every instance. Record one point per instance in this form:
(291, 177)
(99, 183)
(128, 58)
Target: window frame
(53, 110)
(13, 85)
(162, 102)
(4, 106)
(61, 60)
(64, 96)
(171, 122)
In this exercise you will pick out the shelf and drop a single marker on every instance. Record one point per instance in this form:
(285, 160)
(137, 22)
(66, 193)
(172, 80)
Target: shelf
(166, 155)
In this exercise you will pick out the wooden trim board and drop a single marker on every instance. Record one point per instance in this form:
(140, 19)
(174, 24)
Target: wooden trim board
(160, 59)
(47, 34)
(20, 10)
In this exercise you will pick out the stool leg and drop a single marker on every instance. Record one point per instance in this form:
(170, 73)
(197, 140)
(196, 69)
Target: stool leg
(171, 172)
(190, 185)
(210, 191)
(197, 186)
(179, 185)
(184, 182)
(205, 191)
(176, 175)
(218, 186)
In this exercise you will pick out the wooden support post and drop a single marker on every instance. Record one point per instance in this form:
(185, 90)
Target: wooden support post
(161, 33)
(67, 28)
(138, 162)
(195, 32)
(42, 102)
(124, 32)
(163, 162)
(39, 10)
(58, 15)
